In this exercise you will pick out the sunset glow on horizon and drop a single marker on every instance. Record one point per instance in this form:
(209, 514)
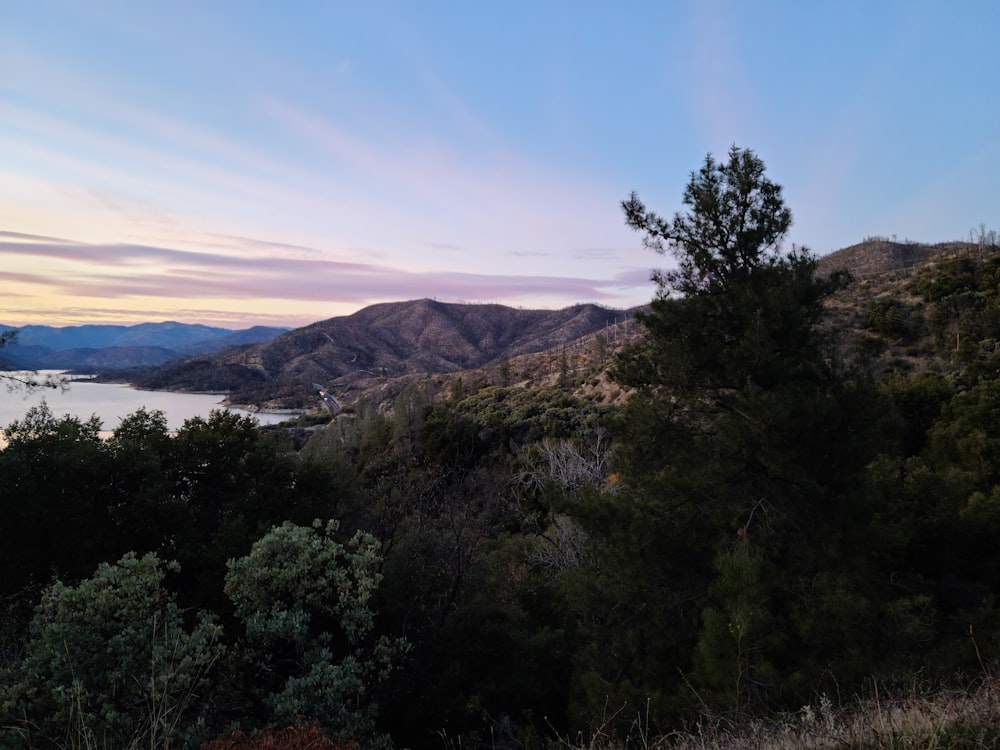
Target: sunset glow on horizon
(239, 164)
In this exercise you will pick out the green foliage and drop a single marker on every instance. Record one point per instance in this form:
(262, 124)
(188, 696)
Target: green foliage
(891, 317)
(502, 420)
(305, 601)
(505, 372)
(953, 276)
(917, 401)
(734, 226)
(112, 662)
(964, 448)
(599, 351)
(440, 495)
(408, 412)
(742, 458)
(740, 637)
(143, 508)
(738, 311)
(966, 437)
(764, 524)
(939, 520)
(40, 424)
(229, 485)
(56, 519)
(72, 500)
(963, 298)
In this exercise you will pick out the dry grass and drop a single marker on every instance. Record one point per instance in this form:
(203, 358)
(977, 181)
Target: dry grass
(916, 719)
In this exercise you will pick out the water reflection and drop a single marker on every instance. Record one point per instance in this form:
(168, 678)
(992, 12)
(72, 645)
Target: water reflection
(111, 402)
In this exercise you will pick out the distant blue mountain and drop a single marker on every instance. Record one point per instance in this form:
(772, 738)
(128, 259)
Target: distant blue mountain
(119, 347)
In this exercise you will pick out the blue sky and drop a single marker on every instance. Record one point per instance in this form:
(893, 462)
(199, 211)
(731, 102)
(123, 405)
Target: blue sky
(236, 163)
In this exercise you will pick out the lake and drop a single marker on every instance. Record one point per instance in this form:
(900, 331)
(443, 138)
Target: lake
(110, 402)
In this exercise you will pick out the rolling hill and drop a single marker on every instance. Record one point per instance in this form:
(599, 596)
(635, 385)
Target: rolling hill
(379, 343)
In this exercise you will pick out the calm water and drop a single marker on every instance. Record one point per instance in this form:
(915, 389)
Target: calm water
(111, 402)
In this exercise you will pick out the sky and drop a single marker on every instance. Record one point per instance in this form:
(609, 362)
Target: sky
(239, 163)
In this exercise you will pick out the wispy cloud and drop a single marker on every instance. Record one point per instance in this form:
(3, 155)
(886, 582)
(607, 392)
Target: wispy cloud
(103, 272)
(229, 239)
(80, 314)
(35, 237)
(268, 199)
(594, 253)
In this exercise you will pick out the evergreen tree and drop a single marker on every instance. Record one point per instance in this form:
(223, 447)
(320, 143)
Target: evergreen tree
(56, 518)
(741, 463)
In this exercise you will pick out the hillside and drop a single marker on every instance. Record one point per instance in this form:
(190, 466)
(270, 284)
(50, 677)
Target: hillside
(891, 318)
(381, 343)
(908, 303)
(882, 261)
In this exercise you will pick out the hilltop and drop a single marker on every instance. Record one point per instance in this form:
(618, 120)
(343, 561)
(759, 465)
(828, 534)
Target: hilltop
(384, 343)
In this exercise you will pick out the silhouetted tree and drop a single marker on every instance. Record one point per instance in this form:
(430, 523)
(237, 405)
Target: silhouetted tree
(742, 456)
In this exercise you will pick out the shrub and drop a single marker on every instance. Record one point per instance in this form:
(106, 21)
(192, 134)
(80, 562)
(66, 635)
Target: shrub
(111, 663)
(304, 599)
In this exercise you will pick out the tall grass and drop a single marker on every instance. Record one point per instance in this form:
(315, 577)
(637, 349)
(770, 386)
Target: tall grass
(917, 718)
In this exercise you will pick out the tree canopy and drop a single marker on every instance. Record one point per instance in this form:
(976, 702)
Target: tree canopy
(740, 455)
(736, 221)
(737, 309)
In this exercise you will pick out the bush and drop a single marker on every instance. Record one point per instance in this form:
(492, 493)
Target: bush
(111, 663)
(304, 599)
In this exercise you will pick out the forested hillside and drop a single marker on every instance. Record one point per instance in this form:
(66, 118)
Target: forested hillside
(784, 492)
(380, 343)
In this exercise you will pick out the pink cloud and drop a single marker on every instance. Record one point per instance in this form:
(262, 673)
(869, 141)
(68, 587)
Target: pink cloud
(119, 271)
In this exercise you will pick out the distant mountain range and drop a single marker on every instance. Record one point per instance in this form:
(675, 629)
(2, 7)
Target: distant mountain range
(116, 347)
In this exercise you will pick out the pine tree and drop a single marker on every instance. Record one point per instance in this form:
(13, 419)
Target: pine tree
(741, 461)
